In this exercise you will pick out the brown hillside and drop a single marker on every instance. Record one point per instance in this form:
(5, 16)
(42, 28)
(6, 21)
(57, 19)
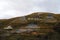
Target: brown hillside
(38, 23)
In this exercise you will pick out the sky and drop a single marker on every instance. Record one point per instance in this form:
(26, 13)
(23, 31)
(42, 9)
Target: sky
(15, 8)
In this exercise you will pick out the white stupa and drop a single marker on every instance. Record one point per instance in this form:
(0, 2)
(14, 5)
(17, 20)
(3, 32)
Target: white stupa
(8, 27)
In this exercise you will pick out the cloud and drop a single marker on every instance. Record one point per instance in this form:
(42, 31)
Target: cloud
(14, 8)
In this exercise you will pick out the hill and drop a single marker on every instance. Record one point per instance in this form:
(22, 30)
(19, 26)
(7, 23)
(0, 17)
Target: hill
(38, 23)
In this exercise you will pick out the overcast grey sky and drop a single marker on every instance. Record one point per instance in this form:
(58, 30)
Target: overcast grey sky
(14, 8)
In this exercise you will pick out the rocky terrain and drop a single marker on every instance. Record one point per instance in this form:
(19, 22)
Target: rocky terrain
(36, 26)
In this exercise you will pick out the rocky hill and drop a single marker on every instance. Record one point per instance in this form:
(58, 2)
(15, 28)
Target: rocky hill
(38, 23)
